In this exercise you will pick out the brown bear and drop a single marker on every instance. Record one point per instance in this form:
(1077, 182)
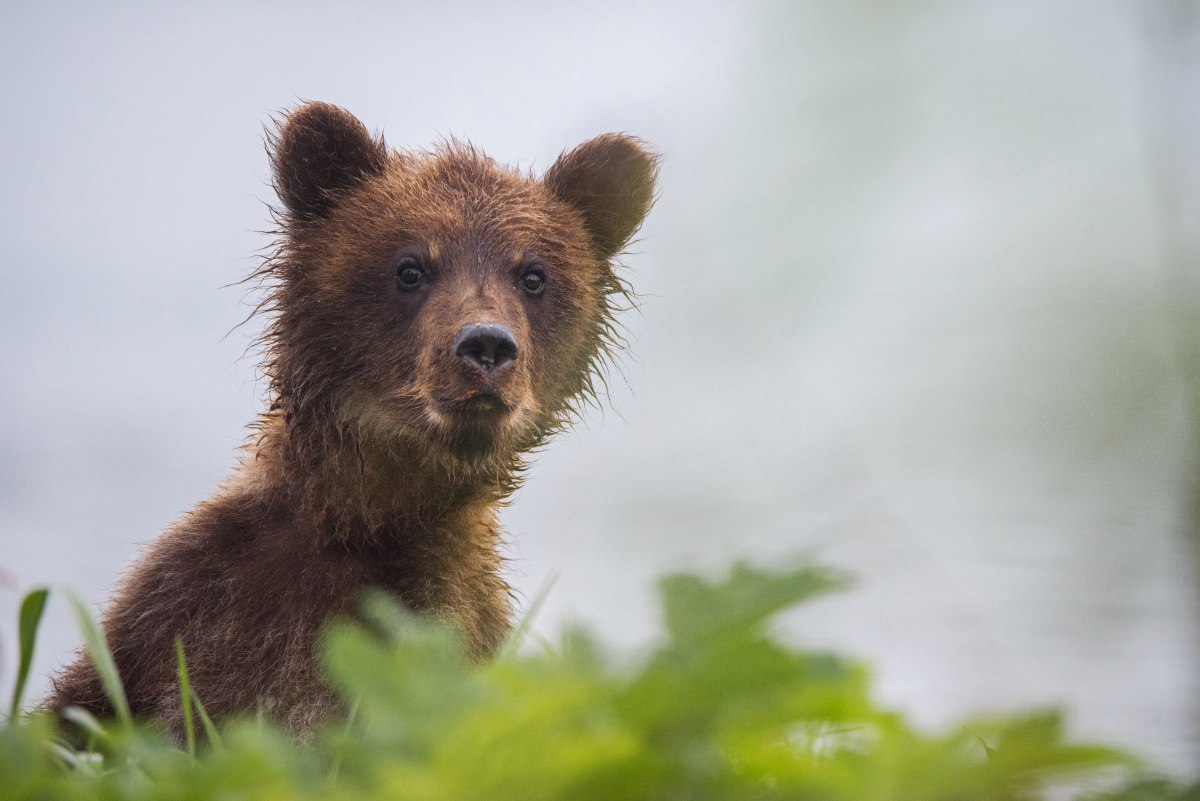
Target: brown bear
(432, 317)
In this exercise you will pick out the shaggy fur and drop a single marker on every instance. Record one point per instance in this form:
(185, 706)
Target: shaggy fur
(384, 455)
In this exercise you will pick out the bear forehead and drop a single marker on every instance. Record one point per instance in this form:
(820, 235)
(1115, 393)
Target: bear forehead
(458, 195)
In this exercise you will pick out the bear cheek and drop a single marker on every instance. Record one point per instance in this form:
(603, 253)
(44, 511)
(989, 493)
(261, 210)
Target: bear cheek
(564, 344)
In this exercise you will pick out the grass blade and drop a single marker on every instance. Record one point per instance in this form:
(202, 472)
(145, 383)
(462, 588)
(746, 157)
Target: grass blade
(86, 763)
(97, 647)
(185, 696)
(87, 723)
(30, 618)
(520, 631)
(210, 731)
(346, 730)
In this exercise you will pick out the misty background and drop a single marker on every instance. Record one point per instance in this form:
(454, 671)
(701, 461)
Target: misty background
(919, 300)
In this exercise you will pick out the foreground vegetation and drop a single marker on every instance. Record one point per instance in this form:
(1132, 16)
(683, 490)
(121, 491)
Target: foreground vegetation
(720, 710)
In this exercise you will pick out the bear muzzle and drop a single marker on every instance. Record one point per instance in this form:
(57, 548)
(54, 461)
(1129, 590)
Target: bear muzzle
(489, 347)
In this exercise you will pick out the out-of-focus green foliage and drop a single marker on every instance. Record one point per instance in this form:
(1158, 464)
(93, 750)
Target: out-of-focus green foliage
(720, 710)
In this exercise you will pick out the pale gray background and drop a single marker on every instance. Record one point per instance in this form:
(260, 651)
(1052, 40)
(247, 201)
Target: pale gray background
(920, 299)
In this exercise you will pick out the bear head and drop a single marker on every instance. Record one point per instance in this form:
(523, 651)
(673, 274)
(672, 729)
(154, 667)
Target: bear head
(438, 298)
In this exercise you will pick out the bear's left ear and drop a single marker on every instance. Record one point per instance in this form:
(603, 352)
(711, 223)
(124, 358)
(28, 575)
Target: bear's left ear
(319, 152)
(610, 180)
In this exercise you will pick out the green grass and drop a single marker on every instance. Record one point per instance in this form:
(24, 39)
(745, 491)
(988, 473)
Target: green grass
(720, 709)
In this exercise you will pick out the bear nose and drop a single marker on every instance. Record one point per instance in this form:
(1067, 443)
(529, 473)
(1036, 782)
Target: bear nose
(486, 345)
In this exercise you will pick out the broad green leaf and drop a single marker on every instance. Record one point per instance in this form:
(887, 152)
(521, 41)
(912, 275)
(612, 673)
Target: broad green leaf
(699, 612)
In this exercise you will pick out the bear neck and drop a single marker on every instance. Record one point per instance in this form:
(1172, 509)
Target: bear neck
(352, 490)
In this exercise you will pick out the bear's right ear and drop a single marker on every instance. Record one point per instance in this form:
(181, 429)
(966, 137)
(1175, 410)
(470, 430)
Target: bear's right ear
(320, 151)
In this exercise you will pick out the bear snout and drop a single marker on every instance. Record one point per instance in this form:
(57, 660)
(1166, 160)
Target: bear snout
(488, 347)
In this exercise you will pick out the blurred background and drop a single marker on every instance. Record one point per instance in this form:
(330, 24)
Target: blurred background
(920, 300)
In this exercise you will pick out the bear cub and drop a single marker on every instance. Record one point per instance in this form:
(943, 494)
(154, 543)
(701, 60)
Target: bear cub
(432, 317)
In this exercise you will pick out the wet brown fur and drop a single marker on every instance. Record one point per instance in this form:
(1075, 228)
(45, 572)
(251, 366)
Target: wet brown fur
(374, 464)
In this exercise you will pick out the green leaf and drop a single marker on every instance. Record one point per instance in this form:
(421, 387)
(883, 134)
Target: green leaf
(520, 631)
(410, 675)
(87, 723)
(210, 729)
(700, 612)
(185, 696)
(30, 619)
(97, 648)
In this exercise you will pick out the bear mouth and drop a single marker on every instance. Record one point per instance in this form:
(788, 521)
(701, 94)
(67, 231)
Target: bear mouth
(483, 401)
(475, 424)
(475, 407)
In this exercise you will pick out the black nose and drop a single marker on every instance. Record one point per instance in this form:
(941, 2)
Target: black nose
(486, 345)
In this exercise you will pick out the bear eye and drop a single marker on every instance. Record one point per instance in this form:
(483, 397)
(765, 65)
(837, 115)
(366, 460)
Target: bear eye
(533, 281)
(409, 275)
